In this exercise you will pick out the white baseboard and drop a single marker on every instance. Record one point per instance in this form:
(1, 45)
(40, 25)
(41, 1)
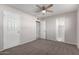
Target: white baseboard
(17, 45)
(2, 49)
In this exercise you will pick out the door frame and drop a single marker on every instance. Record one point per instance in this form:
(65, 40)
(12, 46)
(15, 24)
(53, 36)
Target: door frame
(36, 29)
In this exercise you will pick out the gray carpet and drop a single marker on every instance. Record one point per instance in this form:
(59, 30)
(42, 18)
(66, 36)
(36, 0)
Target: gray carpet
(42, 47)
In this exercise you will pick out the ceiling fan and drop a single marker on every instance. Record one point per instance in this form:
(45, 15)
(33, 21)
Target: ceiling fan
(44, 9)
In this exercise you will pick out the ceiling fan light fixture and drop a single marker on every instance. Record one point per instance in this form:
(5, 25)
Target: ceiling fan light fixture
(44, 11)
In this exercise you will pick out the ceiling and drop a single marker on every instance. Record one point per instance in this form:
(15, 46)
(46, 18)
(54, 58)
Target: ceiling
(57, 9)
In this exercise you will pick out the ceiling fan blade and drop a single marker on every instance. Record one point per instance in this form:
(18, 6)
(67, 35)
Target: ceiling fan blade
(39, 10)
(39, 6)
(49, 6)
(49, 10)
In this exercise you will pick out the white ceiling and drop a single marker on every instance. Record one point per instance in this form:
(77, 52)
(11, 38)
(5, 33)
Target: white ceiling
(57, 9)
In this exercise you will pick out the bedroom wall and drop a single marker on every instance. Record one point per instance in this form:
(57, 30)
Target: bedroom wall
(51, 28)
(70, 27)
(78, 28)
(28, 25)
(1, 31)
(28, 28)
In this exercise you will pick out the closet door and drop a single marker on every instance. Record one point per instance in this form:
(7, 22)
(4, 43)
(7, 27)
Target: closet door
(60, 29)
(11, 29)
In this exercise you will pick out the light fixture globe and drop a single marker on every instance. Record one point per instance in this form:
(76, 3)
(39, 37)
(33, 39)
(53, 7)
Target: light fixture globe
(44, 11)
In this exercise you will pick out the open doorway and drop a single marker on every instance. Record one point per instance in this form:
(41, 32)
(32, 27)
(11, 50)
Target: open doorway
(37, 29)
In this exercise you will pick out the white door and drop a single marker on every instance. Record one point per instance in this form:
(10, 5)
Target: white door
(60, 29)
(43, 29)
(11, 28)
(37, 30)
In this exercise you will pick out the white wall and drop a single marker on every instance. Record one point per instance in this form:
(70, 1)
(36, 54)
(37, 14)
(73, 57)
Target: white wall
(28, 28)
(78, 28)
(70, 27)
(28, 25)
(1, 31)
(51, 28)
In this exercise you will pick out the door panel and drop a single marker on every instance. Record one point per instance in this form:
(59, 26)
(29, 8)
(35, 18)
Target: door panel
(11, 26)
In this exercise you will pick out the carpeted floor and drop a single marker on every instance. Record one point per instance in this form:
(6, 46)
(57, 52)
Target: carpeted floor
(42, 47)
